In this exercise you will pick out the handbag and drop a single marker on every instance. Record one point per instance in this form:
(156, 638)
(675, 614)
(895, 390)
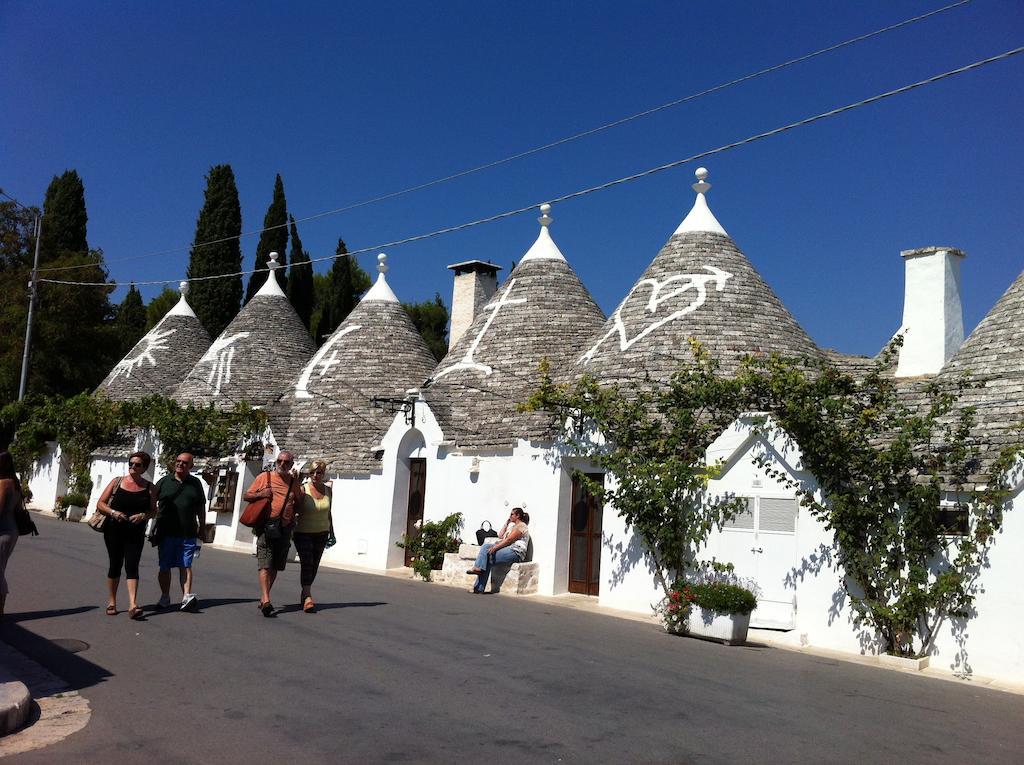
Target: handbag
(22, 518)
(256, 512)
(98, 520)
(483, 534)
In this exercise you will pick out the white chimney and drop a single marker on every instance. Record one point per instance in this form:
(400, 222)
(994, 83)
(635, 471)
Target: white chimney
(475, 283)
(933, 317)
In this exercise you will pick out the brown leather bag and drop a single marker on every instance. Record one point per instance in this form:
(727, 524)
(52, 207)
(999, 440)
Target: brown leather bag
(257, 512)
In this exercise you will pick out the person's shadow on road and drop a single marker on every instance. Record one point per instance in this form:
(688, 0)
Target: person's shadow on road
(204, 603)
(293, 607)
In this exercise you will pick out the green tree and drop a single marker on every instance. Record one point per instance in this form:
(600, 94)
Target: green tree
(17, 243)
(17, 236)
(274, 238)
(158, 307)
(130, 324)
(321, 289)
(64, 218)
(348, 283)
(884, 461)
(431, 320)
(216, 251)
(300, 280)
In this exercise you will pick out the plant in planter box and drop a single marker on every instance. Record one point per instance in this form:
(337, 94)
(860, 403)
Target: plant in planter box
(75, 499)
(722, 597)
(434, 540)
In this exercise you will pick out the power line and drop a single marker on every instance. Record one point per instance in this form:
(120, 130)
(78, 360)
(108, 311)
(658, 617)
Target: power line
(609, 184)
(552, 144)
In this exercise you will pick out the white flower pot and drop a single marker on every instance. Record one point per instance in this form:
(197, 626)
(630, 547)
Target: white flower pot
(730, 629)
(75, 513)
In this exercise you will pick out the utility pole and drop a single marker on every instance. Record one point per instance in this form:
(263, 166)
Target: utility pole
(33, 285)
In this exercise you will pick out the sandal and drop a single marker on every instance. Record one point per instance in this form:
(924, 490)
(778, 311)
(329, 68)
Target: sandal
(308, 605)
(111, 610)
(266, 608)
(135, 613)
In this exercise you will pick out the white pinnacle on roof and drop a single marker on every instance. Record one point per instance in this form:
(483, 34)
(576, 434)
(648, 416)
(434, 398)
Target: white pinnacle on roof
(270, 287)
(182, 308)
(700, 217)
(380, 289)
(544, 248)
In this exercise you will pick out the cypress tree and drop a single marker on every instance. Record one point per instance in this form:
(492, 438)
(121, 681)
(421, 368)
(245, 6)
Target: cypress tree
(300, 281)
(64, 218)
(348, 284)
(74, 343)
(130, 323)
(431, 320)
(216, 301)
(274, 238)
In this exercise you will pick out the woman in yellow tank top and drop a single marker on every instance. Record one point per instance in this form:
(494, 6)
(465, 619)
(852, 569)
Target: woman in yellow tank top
(315, 530)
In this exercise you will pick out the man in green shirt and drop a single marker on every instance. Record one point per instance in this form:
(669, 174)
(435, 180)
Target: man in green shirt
(181, 503)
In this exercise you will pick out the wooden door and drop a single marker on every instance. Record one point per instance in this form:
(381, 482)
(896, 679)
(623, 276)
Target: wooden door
(417, 485)
(585, 538)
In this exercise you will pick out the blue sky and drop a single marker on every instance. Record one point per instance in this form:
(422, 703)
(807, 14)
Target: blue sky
(350, 101)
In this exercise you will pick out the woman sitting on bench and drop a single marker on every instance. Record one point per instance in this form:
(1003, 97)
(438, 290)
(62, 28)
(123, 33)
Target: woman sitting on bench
(511, 548)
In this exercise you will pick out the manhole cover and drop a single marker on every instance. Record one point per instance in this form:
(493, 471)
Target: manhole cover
(70, 645)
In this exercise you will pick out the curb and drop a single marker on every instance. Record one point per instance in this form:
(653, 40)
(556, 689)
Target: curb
(15, 703)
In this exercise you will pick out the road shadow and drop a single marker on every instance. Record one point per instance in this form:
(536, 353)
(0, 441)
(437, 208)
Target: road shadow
(77, 672)
(27, 616)
(293, 607)
(204, 604)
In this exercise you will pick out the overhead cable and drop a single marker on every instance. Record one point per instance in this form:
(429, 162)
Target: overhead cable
(552, 144)
(609, 184)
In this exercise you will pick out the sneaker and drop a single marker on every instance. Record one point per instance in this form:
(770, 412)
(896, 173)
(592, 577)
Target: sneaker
(164, 602)
(190, 603)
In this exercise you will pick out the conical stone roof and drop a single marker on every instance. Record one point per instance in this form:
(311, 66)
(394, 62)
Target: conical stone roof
(541, 311)
(699, 286)
(255, 356)
(327, 412)
(158, 363)
(994, 351)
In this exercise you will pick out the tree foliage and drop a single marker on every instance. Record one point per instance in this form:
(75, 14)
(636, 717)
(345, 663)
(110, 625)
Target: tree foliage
(85, 422)
(348, 283)
(886, 461)
(64, 218)
(215, 251)
(653, 440)
(130, 324)
(273, 238)
(158, 307)
(431, 320)
(300, 280)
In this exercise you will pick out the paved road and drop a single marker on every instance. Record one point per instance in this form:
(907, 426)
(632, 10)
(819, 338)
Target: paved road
(393, 670)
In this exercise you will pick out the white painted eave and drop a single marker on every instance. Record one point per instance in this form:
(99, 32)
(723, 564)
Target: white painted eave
(182, 308)
(270, 287)
(700, 218)
(381, 291)
(544, 248)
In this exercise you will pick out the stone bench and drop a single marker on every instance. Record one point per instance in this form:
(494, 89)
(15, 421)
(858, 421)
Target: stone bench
(508, 578)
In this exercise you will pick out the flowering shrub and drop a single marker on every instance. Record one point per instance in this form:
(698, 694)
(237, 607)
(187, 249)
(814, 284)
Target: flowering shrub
(674, 609)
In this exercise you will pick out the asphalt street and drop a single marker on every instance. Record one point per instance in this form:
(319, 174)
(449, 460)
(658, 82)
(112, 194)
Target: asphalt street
(393, 670)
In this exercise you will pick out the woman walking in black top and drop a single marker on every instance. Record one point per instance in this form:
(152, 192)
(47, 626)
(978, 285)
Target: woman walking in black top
(128, 502)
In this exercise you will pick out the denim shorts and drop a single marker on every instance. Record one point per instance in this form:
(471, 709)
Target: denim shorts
(177, 552)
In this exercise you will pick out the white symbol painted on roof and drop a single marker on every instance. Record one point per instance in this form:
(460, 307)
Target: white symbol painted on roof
(220, 356)
(155, 341)
(323, 361)
(467, 361)
(696, 282)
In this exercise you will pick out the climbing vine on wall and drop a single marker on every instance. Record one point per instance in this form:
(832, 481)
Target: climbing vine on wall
(83, 423)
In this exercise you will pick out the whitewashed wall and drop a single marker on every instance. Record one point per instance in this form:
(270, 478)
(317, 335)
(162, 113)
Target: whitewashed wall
(49, 477)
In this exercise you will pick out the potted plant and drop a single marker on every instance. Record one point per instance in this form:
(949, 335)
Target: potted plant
(73, 505)
(714, 610)
(434, 540)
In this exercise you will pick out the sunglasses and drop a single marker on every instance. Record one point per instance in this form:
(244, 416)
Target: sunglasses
(135, 464)
(285, 462)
